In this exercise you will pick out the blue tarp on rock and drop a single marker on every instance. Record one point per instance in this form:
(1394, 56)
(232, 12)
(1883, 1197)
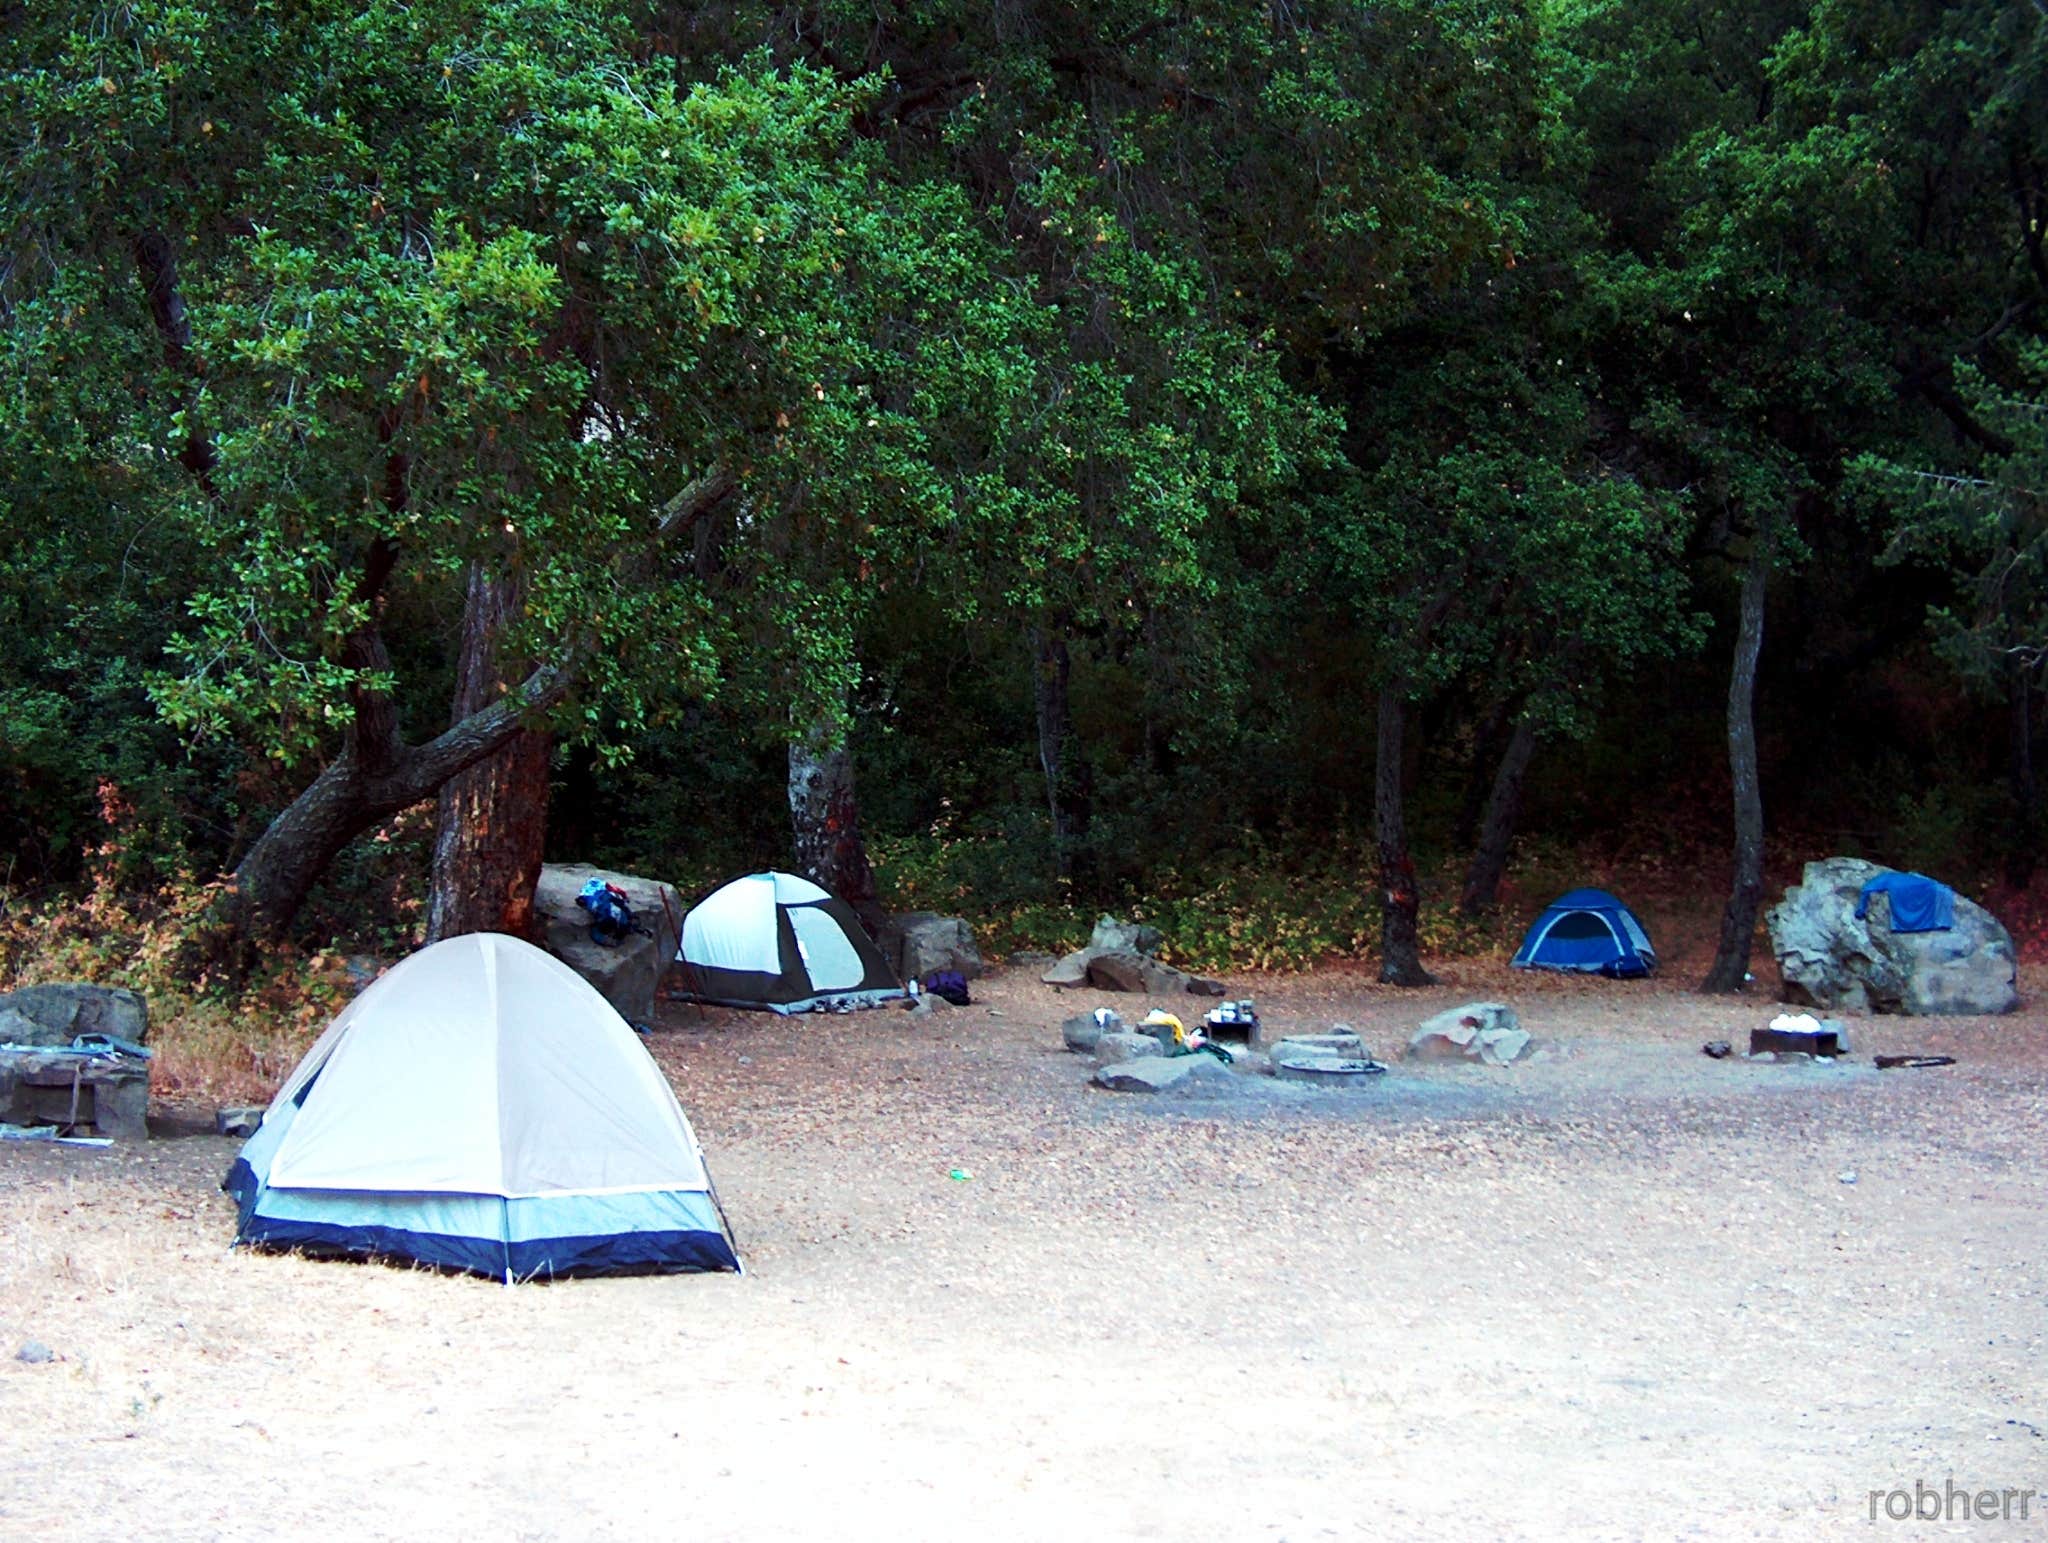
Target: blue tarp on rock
(1918, 903)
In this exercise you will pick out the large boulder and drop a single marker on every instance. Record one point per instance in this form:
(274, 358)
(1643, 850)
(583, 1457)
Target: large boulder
(931, 942)
(628, 974)
(1121, 971)
(58, 1014)
(1114, 937)
(1829, 958)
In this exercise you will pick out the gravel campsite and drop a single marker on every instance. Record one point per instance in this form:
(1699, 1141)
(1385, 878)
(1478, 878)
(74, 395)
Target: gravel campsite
(1615, 1290)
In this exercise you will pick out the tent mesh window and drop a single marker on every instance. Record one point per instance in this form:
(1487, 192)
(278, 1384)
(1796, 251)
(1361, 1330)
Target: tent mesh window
(1580, 924)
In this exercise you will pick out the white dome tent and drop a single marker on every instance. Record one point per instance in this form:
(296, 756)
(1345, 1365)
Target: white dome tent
(481, 1107)
(780, 942)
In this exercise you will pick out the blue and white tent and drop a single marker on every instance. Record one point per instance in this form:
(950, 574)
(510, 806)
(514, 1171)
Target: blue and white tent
(481, 1107)
(777, 941)
(1587, 930)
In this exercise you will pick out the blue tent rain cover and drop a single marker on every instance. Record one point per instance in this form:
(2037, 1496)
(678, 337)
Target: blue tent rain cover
(1590, 931)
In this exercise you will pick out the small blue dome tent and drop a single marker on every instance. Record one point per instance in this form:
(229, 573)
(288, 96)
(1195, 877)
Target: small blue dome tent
(1590, 931)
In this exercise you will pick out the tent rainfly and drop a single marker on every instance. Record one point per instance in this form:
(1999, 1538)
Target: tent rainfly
(1590, 931)
(780, 942)
(481, 1107)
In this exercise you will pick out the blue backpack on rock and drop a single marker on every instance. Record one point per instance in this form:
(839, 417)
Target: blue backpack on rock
(611, 914)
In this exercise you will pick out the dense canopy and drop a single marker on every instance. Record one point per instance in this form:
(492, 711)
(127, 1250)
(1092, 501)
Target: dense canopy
(1080, 450)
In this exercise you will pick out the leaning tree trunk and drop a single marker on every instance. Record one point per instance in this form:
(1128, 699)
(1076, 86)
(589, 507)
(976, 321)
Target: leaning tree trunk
(1059, 757)
(359, 790)
(1497, 832)
(2022, 855)
(1400, 893)
(492, 822)
(1730, 969)
(824, 817)
(377, 774)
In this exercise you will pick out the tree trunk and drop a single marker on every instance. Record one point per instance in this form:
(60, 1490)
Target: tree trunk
(2023, 854)
(1400, 894)
(377, 774)
(493, 818)
(1486, 750)
(348, 798)
(1066, 772)
(156, 261)
(1730, 969)
(824, 818)
(1497, 832)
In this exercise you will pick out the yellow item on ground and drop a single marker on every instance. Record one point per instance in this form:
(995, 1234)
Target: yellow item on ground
(1157, 1019)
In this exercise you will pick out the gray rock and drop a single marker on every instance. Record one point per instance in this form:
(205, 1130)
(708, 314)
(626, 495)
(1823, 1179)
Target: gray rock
(1030, 959)
(1477, 1031)
(35, 1353)
(238, 1119)
(1501, 1047)
(627, 975)
(931, 943)
(1070, 971)
(1251, 1063)
(1203, 986)
(1330, 1071)
(927, 1004)
(57, 1014)
(1182, 1074)
(1115, 1047)
(1114, 937)
(1341, 1042)
(1135, 972)
(1829, 958)
(1082, 1031)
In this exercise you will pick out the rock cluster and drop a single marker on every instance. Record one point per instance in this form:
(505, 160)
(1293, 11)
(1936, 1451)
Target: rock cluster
(1119, 957)
(1488, 1032)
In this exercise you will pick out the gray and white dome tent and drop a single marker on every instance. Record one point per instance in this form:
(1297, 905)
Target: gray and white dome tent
(481, 1107)
(780, 942)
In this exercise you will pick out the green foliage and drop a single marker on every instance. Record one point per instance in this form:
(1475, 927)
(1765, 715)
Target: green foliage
(1259, 356)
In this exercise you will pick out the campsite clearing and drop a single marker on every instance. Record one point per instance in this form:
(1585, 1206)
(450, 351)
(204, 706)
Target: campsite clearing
(1621, 1289)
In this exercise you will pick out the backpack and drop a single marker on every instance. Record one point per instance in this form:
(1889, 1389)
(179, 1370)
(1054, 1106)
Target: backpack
(950, 984)
(611, 914)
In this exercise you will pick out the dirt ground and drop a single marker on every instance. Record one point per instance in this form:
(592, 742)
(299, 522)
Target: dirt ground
(1620, 1291)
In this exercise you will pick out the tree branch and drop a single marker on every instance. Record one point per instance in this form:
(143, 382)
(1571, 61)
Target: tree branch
(157, 264)
(694, 502)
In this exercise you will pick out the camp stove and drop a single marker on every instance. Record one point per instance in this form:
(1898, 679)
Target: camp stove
(1232, 1023)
